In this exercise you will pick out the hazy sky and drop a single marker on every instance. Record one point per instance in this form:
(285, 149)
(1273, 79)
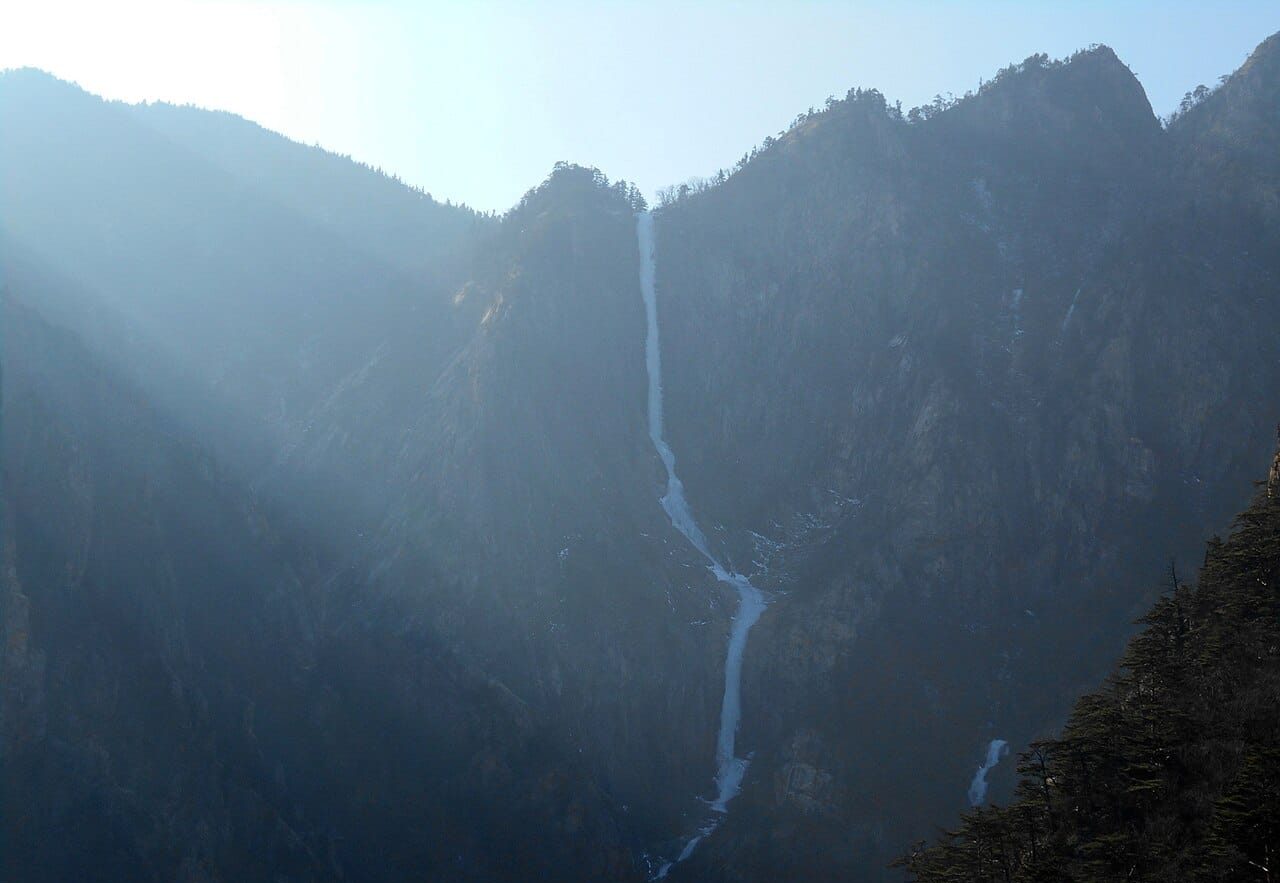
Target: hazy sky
(475, 101)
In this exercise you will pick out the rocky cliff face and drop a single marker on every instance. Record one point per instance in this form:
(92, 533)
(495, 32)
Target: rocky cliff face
(989, 358)
(523, 473)
(192, 691)
(954, 387)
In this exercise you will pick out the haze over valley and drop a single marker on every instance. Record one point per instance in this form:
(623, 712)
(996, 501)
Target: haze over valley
(837, 515)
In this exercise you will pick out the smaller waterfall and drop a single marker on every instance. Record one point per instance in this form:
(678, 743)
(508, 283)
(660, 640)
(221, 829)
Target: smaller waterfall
(997, 749)
(1070, 312)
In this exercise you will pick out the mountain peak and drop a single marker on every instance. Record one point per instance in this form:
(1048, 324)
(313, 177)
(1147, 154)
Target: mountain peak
(36, 82)
(1087, 105)
(28, 74)
(1236, 127)
(572, 186)
(1092, 76)
(1266, 52)
(1097, 53)
(1261, 71)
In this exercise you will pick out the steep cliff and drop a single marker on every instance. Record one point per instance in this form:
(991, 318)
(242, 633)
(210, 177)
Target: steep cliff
(524, 472)
(952, 386)
(1169, 770)
(966, 382)
(192, 690)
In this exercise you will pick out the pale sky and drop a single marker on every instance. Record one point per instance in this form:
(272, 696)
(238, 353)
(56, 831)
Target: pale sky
(475, 101)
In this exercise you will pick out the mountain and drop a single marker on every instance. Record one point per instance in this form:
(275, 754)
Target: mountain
(950, 387)
(1009, 361)
(226, 269)
(1169, 771)
(193, 691)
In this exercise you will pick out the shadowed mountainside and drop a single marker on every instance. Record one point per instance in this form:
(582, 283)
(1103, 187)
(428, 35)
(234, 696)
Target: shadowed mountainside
(192, 690)
(1169, 770)
(953, 386)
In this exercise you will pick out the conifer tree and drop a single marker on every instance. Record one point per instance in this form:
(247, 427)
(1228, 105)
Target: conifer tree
(1170, 771)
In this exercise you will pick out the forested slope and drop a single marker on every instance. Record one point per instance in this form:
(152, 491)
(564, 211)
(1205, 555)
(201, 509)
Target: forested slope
(1169, 771)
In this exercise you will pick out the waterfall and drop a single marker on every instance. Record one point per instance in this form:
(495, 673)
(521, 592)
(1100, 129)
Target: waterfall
(996, 749)
(730, 769)
(1070, 311)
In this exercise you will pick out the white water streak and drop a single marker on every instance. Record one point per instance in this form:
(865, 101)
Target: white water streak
(1070, 312)
(996, 749)
(730, 769)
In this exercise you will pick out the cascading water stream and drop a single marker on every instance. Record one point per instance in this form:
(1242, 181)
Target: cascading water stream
(730, 769)
(996, 749)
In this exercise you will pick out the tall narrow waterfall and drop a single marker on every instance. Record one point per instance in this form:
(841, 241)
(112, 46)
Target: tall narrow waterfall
(730, 769)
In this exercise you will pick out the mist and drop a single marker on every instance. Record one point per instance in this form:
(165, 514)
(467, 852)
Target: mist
(779, 475)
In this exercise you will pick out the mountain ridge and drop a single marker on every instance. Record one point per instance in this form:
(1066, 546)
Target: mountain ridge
(952, 386)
